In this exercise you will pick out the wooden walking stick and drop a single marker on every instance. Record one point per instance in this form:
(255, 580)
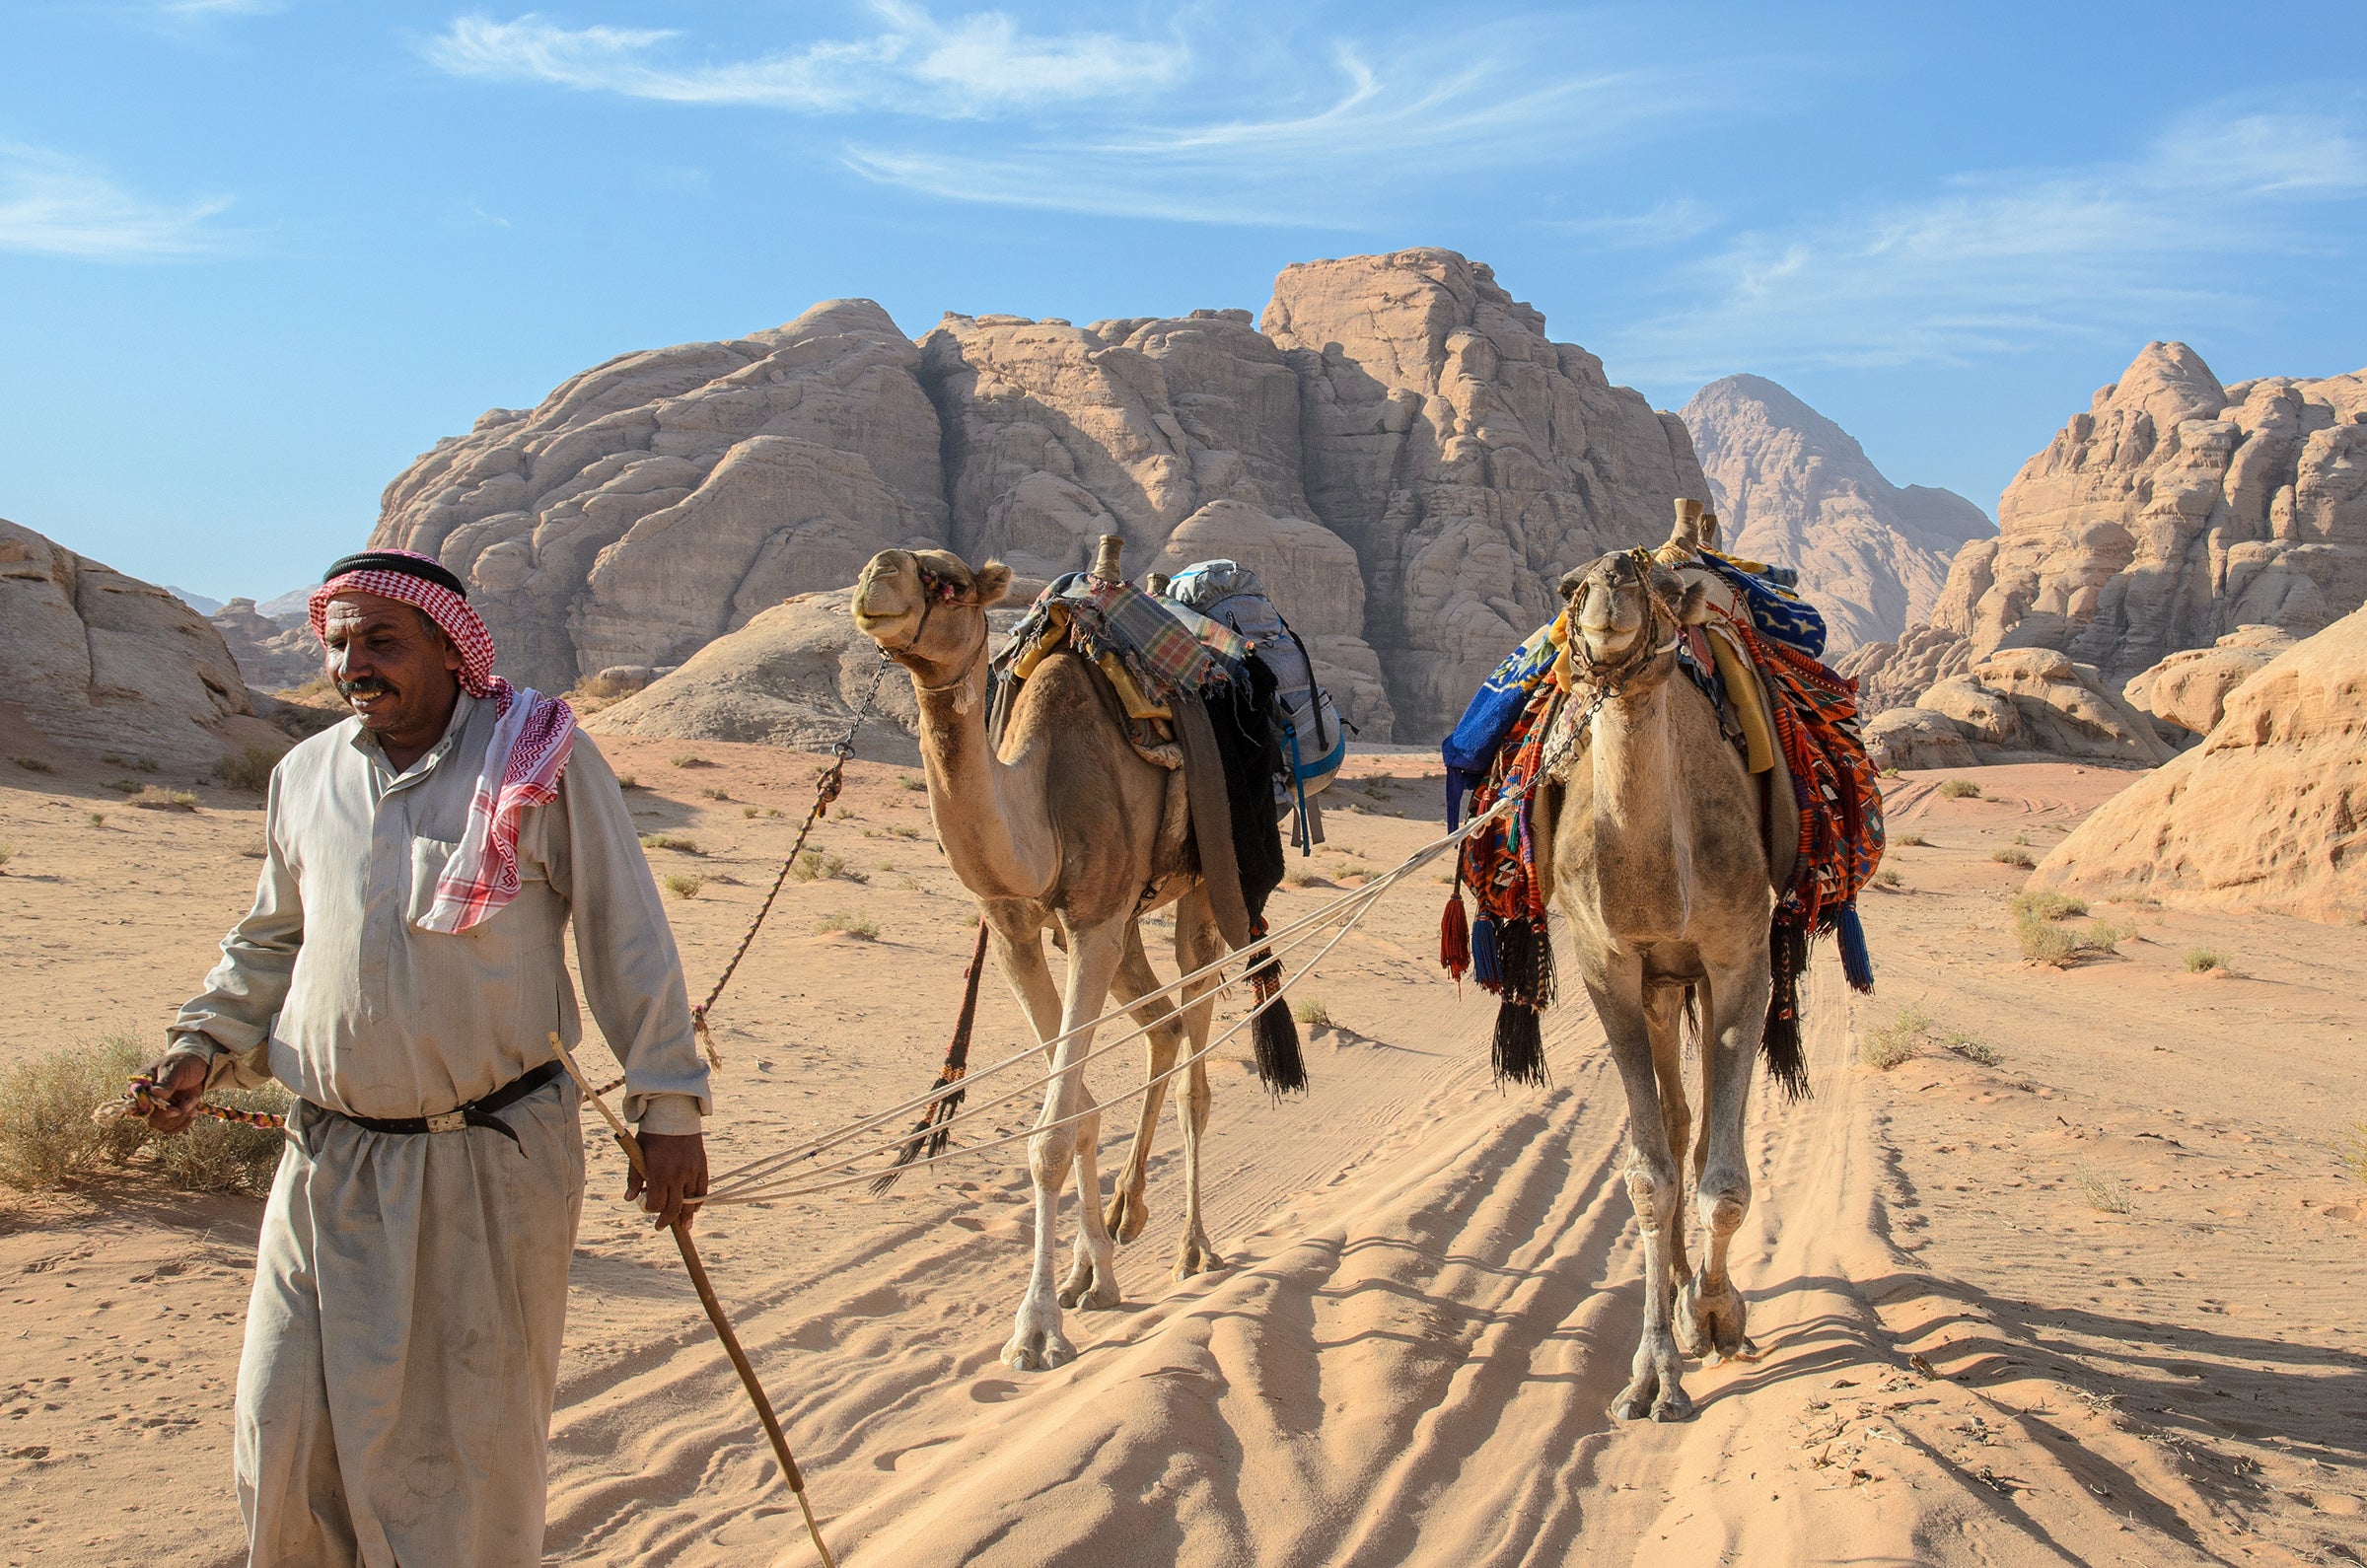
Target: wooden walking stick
(706, 1297)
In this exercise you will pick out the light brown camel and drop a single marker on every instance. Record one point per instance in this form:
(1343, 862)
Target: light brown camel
(1656, 860)
(1065, 827)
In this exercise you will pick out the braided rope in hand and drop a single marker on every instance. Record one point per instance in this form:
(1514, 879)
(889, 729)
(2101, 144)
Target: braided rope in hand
(142, 1101)
(826, 790)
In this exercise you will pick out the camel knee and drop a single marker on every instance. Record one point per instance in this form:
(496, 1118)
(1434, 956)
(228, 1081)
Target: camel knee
(1723, 1200)
(1652, 1187)
(1050, 1152)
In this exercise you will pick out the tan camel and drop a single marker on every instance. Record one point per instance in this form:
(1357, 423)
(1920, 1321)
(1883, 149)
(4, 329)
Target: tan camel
(1064, 828)
(1656, 860)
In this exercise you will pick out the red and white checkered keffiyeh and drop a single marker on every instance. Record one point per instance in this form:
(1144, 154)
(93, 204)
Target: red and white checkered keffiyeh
(531, 736)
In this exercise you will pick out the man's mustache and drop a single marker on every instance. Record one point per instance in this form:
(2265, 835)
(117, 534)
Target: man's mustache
(366, 688)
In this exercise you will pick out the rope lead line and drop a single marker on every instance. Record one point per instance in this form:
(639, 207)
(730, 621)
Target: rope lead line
(715, 1314)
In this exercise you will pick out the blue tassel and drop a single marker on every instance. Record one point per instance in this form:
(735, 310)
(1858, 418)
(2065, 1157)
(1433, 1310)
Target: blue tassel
(1486, 968)
(1457, 782)
(1856, 962)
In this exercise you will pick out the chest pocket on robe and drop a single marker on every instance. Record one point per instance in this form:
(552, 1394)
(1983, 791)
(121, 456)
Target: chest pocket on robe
(429, 857)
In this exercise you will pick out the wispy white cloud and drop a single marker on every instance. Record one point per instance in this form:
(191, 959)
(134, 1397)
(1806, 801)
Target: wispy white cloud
(1671, 222)
(2000, 262)
(911, 63)
(53, 204)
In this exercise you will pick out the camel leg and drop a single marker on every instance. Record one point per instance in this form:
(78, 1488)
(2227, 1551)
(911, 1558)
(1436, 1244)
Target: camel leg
(1664, 1008)
(1654, 1383)
(1128, 1209)
(1092, 1281)
(1036, 1343)
(1736, 1008)
(1094, 955)
(1196, 943)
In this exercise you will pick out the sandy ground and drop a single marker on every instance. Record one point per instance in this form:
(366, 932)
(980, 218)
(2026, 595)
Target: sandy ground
(2091, 1304)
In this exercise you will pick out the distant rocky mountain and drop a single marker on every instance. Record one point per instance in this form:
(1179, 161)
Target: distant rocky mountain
(105, 664)
(1795, 488)
(1397, 445)
(2172, 512)
(287, 609)
(196, 601)
(272, 655)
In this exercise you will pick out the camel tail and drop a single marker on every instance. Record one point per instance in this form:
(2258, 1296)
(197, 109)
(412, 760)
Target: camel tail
(930, 1135)
(1787, 959)
(1273, 1032)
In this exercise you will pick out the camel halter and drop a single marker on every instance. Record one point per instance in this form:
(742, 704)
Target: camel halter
(1610, 679)
(935, 591)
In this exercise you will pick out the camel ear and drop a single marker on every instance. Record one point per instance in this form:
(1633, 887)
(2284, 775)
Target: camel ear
(1573, 579)
(1693, 608)
(993, 582)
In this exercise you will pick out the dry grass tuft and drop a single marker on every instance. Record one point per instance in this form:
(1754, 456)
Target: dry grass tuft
(811, 865)
(8, 852)
(688, 759)
(48, 1141)
(152, 798)
(1889, 881)
(748, 810)
(1911, 838)
(251, 769)
(2014, 855)
(716, 794)
(1959, 789)
(683, 886)
(913, 782)
(840, 921)
(2350, 1147)
(1901, 1039)
(680, 846)
(1312, 1012)
(33, 764)
(2047, 906)
(1306, 876)
(627, 781)
(1890, 772)
(97, 818)
(2205, 961)
(1972, 1051)
(138, 764)
(2104, 1192)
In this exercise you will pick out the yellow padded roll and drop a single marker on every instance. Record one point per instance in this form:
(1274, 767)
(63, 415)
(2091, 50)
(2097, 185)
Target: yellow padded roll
(1137, 705)
(1742, 688)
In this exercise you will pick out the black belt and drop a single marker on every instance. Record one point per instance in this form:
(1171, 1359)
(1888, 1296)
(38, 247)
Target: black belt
(475, 1114)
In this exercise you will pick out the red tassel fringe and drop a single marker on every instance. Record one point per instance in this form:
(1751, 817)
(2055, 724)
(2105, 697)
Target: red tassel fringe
(1454, 938)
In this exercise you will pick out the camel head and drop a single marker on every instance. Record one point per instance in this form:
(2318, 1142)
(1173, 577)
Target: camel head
(927, 608)
(1626, 606)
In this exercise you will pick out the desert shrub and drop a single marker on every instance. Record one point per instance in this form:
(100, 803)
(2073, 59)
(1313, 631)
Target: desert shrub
(2102, 935)
(2047, 906)
(748, 810)
(2350, 1147)
(1957, 789)
(48, 1139)
(912, 782)
(811, 865)
(1900, 1039)
(8, 852)
(1889, 880)
(1305, 876)
(860, 929)
(1312, 1012)
(1972, 1051)
(138, 764)
(683, 886)
(627, 781)
(251, 769)
(33, 764)
(2014, 855)
(689, 760)
(1890, 772)
(97, 818)
(2046, 942)
(150, 797)
(680, 845)
(2103, 1192)
(1911, 838)
(2202, 961)
(716, 794)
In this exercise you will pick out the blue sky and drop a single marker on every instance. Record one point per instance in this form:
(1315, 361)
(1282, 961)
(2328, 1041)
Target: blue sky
(256, 255)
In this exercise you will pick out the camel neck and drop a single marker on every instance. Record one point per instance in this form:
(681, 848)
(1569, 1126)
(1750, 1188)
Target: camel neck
(1637, 788)
(991, 816)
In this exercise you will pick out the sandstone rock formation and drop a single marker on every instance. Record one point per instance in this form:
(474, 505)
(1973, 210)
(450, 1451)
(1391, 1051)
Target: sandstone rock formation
(1467, 458)
(655, 502)
(1917, 738)
(101, 663)
(2265, 814)
(271, 656)
(1402, 450)
(1893, 675)
(2172, 512)
(1792, 487)
(2036, 699)
(2188, 691)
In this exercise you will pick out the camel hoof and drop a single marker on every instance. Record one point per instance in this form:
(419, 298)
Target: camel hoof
(1710, 1324)
(1089, 1288)
(1198, 1257)
(1635, 1401)
(1673, 1405)
(1129, 1214)
(1038, 1351)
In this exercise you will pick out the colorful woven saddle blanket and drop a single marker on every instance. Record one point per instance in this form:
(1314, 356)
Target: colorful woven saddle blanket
(1151, 648)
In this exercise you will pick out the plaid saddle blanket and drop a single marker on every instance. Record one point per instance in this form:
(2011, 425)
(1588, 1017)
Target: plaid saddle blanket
(1167, 646)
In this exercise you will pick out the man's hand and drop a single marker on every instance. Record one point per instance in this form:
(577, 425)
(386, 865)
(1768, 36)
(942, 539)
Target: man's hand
(678, 1173)
(181, 1084)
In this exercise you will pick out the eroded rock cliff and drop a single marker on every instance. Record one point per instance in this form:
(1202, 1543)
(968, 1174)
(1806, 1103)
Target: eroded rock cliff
(1793, 487)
